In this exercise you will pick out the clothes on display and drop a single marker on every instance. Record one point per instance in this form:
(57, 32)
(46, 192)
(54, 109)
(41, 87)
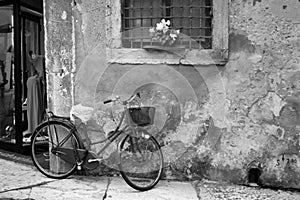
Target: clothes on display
(35, 102)
(9, 70)
(35, 65)
(35, 94)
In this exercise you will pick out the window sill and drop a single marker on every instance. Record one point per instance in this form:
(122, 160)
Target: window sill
(150, 55)
(164, 48)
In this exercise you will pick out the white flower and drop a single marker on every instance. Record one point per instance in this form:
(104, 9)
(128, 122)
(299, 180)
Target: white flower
(159, 26)
(173, 36)
(163, 33)
(166, 23)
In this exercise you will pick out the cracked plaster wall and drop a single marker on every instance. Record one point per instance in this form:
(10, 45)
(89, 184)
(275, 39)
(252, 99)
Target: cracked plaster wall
(257, 128)
(264, 59)
(59, 59)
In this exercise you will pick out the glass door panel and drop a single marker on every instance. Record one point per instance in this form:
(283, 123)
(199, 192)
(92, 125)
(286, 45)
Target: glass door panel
(7, 80)
(32, 65)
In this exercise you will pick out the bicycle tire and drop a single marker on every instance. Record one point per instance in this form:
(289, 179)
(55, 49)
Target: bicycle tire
(141, 160)
(44, 138)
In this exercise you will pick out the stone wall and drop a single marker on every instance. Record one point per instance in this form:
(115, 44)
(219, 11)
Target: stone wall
(217, 122)
(264, 61)
(59, 60)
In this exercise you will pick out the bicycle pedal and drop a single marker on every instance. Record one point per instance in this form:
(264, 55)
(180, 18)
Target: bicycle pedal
(90, 161)
(94, 160)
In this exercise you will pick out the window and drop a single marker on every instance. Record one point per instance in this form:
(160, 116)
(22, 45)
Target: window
(203, 24)
(192, 17)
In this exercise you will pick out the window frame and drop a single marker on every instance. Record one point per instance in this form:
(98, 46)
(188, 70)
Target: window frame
(218, 55)
(192, 17)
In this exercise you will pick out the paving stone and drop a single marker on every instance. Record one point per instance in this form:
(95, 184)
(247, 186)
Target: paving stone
(219, 190)
(19, 181)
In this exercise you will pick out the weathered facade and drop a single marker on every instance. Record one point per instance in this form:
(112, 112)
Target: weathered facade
(215, 119)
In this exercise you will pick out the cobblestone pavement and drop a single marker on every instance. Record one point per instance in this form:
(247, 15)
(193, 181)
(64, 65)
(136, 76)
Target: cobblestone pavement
(19, 181)
(210, 190)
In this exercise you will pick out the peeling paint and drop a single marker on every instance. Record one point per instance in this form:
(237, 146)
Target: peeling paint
(64, 15)
(83, 112)
(233, 117)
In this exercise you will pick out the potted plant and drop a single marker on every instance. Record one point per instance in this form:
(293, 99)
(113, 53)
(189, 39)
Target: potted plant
(163, 34)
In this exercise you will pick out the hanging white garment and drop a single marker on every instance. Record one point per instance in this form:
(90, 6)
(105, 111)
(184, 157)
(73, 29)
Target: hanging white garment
(8, 69)
(35, 103)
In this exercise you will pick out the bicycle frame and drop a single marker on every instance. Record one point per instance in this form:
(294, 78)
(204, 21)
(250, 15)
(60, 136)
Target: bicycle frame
(67, 154)
(80, 154)
(117, 132)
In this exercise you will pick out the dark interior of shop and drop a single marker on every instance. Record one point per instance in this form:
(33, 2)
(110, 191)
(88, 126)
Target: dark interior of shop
(21, 67)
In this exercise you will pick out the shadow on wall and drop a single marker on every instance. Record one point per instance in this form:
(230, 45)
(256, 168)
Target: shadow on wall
(168, 88)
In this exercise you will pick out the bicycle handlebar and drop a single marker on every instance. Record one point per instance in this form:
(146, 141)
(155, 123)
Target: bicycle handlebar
(117, 99)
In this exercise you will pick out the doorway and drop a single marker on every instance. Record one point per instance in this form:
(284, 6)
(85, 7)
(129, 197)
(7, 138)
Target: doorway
(21, 36)
(33, 73)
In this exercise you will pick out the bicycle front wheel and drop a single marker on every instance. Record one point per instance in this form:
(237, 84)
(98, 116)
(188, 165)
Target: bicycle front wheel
(141, 160)
(48, 136)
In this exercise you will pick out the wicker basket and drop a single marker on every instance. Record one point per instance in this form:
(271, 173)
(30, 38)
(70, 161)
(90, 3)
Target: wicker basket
(142, 116)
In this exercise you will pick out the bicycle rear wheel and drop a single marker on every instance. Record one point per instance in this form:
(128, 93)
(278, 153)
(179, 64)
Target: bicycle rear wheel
(45, 140)
(141, 160)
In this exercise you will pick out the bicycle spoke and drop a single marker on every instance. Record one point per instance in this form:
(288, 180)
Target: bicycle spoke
(141, 162)
(45, 140)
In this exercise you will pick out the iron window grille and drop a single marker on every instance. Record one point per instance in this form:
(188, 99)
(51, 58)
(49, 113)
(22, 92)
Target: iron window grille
(192, 17)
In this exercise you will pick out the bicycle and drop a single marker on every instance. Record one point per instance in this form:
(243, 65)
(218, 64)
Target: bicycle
(58, 151)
